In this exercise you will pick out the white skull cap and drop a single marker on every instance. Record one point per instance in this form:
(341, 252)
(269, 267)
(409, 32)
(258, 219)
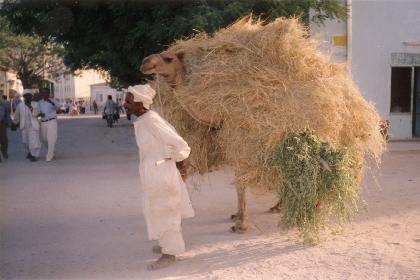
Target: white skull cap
(27, 90)
(143, 93)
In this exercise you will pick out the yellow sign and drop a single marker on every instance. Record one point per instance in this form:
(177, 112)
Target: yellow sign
(339, 40)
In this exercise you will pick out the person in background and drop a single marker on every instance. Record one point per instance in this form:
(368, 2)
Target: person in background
(95, 107)
(16, 100)
(26, 116)
(49, 125)
(67, 106)
(165, 197)
(109, 111)
(4, 124)
(6, 103)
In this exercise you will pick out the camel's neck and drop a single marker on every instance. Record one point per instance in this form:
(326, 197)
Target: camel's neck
(178, 79)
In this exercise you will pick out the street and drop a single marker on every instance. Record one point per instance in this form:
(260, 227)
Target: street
(79, 217)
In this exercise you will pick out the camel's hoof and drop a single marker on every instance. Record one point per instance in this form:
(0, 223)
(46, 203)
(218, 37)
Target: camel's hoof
(239, 229)
(157, 249)
(235, 217)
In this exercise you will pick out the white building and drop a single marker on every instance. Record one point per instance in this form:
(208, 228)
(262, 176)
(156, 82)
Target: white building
(380, 41)
(77, 86)
(9, 84)
(99, 92)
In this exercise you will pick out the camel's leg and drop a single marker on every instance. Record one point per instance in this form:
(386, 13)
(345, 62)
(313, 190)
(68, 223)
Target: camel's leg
(241, 223)
(238, 214)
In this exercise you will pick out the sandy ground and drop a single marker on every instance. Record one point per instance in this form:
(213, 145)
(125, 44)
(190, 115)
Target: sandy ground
(79, 217)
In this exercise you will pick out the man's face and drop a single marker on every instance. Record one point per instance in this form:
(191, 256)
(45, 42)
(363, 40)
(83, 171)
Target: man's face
(132, 107)
(45, 94)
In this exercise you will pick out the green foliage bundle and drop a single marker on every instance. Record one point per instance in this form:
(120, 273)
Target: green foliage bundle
(320, 183)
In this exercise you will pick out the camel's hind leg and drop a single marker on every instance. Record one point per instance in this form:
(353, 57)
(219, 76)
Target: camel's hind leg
(241, 218)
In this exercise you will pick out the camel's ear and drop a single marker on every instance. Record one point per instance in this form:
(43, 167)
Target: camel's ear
(180, 55)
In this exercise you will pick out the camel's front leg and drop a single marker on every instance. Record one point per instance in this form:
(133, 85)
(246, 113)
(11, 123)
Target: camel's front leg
(241, 223)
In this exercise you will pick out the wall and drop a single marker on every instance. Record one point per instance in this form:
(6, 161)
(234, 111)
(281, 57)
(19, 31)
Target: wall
(104, 90)
(331, 36)
(9, 84)
(64, 88)
(379, 30)
(83, 80)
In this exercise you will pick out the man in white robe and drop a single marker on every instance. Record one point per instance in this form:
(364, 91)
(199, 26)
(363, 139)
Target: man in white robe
(165, 197)
(26, 116)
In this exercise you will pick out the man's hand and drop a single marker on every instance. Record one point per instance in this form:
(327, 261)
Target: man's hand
(182, 168)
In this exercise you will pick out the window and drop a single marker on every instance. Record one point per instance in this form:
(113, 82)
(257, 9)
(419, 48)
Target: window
(99, 97)
(401, 89)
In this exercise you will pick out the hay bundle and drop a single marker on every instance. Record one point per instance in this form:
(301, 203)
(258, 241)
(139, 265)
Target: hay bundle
(262, 82)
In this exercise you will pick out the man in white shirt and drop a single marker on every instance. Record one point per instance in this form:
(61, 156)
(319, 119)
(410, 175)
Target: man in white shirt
(26, 116)
(49, 128)
(165, 197)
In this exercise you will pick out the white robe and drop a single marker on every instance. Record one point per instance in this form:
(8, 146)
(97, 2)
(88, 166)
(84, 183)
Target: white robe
(29, 126)
(165, 197)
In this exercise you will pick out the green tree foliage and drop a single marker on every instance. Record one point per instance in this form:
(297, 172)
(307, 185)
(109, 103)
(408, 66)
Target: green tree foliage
(116, 35)
(31, 59)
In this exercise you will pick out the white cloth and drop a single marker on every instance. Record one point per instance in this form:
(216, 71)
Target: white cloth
(165, 197)
(29, 126)
(49, 134)
(143, 93)
(27, 90)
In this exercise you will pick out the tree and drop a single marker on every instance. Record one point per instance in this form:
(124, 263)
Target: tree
(31, 59)
(115, 35)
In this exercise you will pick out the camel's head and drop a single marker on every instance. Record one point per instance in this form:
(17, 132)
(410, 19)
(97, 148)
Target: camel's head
(168, 64)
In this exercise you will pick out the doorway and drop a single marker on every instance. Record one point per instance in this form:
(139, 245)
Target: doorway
(405, 99)
(416, 102)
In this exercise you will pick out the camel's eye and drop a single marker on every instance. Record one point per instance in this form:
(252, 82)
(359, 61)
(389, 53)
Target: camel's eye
(167, 59)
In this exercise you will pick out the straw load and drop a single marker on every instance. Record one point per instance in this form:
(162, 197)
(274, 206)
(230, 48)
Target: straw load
(258, 83)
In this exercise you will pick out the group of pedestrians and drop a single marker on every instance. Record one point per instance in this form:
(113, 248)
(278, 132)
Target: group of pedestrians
(36, 118)
(162, 167)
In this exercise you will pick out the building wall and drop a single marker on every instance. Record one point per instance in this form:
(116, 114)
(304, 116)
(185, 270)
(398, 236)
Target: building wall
(76, 86)
(378, 30)
(100, 93)
(332, 37)
(9, 84)
(83, 82)
(64, 88)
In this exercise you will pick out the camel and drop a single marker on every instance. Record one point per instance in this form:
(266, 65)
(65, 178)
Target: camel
(169, 66)
(241, 91)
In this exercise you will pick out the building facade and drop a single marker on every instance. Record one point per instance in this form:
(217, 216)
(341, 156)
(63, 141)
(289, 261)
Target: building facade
(380, 42)
(9, 84)
(76, 87)
(99, 92)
